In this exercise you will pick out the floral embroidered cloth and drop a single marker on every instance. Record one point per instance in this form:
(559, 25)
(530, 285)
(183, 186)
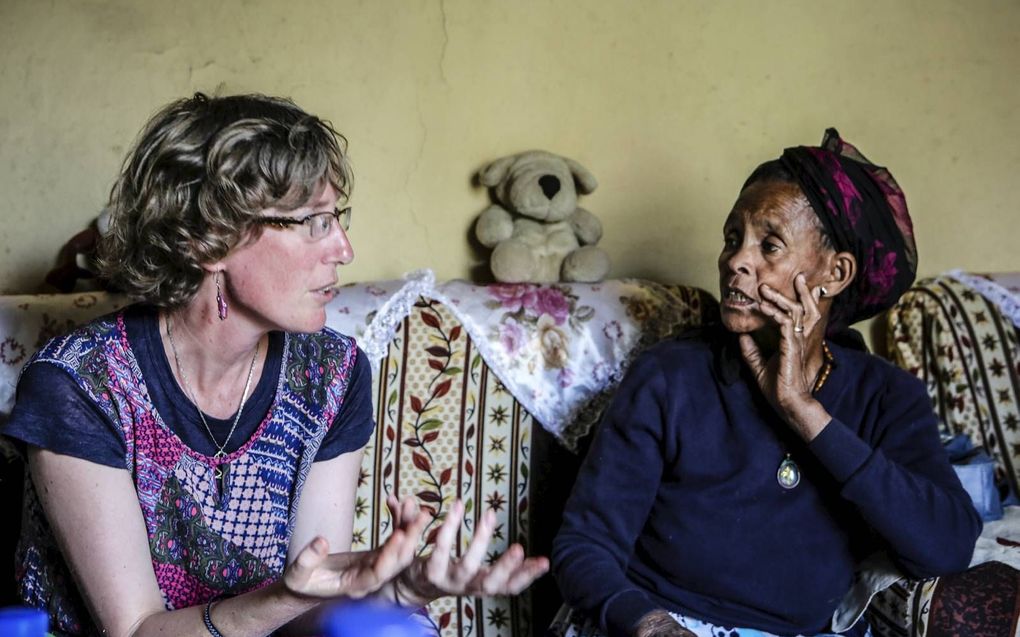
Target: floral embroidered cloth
(559, 348)
(28, 322)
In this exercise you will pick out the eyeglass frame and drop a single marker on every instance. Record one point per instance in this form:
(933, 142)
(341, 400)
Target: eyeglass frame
(287, 222)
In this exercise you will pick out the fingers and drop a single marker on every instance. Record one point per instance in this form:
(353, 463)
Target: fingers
(511, 573)
(480, 542)
(439, 561)
(781, 309)
(803, 313)
(410, 513)
(777, 307)
(469, 575)
(392, 556)
(493, 580)
(300, 573)
(408, 524)
(530, 570)
(404, 512)
(393, 504)
(809, 301)
(313, 554)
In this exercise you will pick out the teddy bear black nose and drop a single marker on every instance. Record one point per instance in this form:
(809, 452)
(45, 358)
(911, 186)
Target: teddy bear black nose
(550, 185)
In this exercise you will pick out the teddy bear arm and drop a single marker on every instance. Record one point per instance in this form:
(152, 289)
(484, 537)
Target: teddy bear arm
(586, 226)
(494, 225)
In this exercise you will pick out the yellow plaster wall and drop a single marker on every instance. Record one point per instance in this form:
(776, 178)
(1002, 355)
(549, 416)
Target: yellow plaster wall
(669, 103)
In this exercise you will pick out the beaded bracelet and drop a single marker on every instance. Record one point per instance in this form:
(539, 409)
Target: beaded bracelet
(207, 618)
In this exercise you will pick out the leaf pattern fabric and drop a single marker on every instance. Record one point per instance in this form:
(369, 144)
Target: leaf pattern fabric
(449, 425)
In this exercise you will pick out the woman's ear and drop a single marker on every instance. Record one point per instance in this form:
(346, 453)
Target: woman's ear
(842, 270)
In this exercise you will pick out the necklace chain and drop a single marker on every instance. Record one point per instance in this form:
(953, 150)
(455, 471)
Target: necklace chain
(823, 373)
(187, 384)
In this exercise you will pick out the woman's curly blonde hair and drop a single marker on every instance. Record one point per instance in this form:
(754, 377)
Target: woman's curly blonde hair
(202, 169)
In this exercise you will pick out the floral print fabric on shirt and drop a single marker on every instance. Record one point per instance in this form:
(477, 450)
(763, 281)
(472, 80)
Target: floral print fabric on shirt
(203, 544)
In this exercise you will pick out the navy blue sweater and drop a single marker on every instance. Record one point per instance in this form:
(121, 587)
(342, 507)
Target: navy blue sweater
(677, 505)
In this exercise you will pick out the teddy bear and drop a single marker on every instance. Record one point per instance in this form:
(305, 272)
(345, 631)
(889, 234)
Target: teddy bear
(536, 230)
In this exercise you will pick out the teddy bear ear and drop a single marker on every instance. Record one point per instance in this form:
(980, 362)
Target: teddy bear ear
(586, 181)
(495, 172)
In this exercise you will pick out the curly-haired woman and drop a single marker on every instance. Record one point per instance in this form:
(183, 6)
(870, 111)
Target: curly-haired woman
(193, 459)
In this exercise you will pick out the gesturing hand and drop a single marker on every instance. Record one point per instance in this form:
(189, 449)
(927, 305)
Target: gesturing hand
(440, 573)
(785, 377)
(317, 573)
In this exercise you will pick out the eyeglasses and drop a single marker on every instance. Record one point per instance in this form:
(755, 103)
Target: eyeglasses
(319, 224)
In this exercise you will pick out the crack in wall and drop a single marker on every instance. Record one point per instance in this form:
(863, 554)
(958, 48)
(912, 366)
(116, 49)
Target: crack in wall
(446, 42)
(413, 169)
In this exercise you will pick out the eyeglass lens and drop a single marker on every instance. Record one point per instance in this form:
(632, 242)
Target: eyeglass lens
(319, 225)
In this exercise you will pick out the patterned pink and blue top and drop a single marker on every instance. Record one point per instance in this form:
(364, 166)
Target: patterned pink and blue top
(207, 537)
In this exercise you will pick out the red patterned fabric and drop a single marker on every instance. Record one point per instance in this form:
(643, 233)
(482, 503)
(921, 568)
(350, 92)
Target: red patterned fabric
(983, 601)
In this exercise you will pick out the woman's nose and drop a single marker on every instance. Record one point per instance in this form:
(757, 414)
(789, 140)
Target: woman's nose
(340, 249)
(739, 260)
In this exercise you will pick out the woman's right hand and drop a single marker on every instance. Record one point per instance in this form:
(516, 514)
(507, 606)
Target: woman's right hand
(318, 573)
(659, 623)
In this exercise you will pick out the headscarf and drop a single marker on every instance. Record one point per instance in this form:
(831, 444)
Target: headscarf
(865, 213)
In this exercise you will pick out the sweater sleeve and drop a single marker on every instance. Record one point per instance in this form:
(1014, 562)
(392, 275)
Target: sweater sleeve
(611, 500)
(898, 476)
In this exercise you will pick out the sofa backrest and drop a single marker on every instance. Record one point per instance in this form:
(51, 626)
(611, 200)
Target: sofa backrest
(959, 343)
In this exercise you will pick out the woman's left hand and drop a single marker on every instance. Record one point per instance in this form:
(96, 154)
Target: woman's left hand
(440, 573)
(785, 377)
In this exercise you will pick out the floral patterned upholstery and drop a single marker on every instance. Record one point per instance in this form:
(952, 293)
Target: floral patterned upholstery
(964, 347)
(447, 425)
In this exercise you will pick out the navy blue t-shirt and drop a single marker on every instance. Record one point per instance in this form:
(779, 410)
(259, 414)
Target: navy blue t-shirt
(52, 412)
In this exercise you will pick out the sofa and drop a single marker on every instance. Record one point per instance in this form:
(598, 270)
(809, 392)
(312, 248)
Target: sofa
(487, 393)
(958, 332)
(480, 392)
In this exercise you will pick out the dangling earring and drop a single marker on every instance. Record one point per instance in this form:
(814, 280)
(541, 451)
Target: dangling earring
(221, 303)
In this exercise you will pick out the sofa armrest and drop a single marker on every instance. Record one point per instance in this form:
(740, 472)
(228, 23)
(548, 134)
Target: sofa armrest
(958, 343)
(983, 601)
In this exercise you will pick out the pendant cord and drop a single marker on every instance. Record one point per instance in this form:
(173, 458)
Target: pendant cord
(191, 392)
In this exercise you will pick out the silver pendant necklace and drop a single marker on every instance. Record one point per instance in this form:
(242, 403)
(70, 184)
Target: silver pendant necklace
(221, 470)
(788, 474)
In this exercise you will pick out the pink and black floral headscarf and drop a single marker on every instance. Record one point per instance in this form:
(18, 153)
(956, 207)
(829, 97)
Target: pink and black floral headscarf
(865, 213)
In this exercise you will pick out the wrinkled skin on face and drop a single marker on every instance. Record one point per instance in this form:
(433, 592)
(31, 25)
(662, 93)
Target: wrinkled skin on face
(771, 235)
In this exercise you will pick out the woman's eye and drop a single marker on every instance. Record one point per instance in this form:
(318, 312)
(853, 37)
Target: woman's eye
(730, 242)
(770, 247)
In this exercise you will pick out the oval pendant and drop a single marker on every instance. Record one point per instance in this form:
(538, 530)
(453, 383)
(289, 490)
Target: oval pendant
(788, 475)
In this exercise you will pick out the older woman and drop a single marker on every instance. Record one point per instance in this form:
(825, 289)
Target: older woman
(741, 473)
(193, 459)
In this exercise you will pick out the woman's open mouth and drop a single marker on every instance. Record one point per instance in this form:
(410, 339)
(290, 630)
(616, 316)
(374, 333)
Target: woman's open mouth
(735, 298)
(328, 291)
